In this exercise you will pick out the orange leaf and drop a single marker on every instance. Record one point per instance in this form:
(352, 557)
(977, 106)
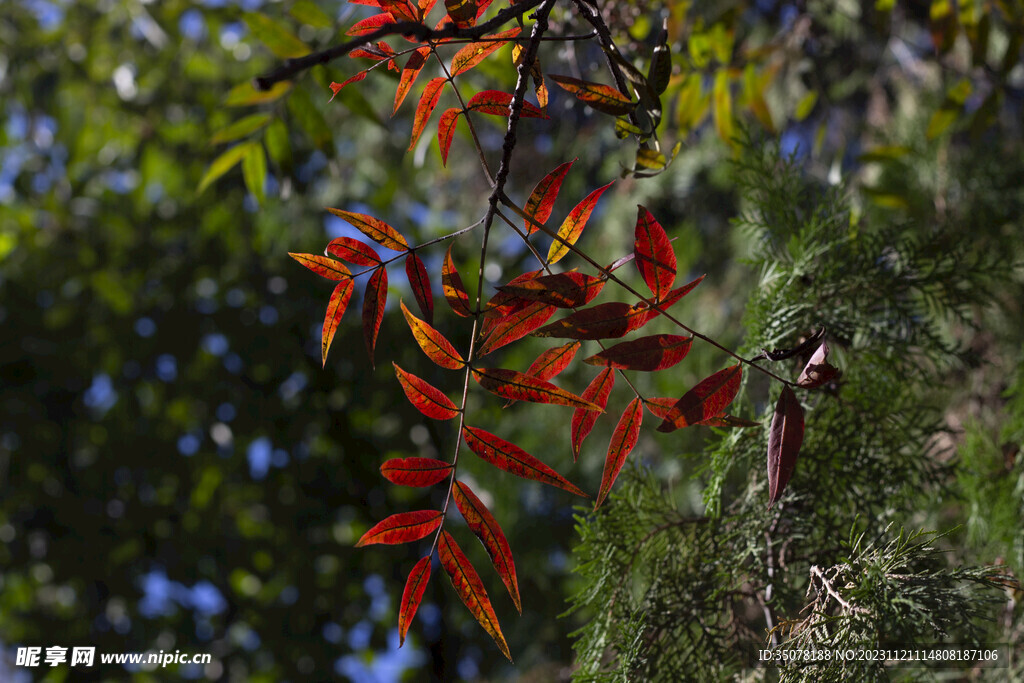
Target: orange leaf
(514, 326)
(454, 291)
(542, 199)
(428, 399)
(402, 528)
(374, 299)
(474, 53)
(370, 24)
(704, 401)
(516, 385)
(625, 436)
(656, 352)
(409, 73)
(336, 306)
(415, 585)
(603, 98)
(461, 12)
(497, 103)
(374, 228)
(470, 588)
(323, 266)
(583, 420)
(336, 87)
(818, 371)
(513, 459)
(574, 223)
(415, 471)
(433, 343)
(353, 251)
(482, 523)
(784, 441)
(420, 283)
(565, 290)
(445, 132)
(553, 361)
(402, 9)
(428, 100)
(654, 256)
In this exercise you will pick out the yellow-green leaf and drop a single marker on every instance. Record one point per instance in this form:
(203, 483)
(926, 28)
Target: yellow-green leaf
(243, 94)
(308, 13)
(279, 40)
(805, 105)
(722, 94)
(254, 171)
(224, 163)
(240, 128)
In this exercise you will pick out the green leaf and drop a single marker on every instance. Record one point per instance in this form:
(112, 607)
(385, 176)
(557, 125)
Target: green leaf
(806, 104)
(240, 128)
(224, 163)
(309, 119)
(308, 13)
(278, 146)
(254, 171)
(279, 40)
(243, 94)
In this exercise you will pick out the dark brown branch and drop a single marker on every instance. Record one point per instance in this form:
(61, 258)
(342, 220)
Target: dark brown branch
(409, 29)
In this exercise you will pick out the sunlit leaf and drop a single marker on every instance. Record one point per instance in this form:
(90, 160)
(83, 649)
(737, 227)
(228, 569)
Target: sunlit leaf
(224, 163)
(482, 523)
(427, 399)
(323, 266)
(654, 255)
(415, 471)
(470, 588)
(806, 105)
(542, 199)
(472, 54)
(496, 103)
(784, 440)
(370, 24)
(445, 132)
(433, 343)
(377, 230)
(706, 400)
(818, 371)
(572, 226)
(513, 459)
(553, 361)
(244, 94)
(583, 420)
(428, 100)
(420, 283)
(564, 290)
(515, 326)
(725, 124)
(402, 528)
(403, 9)
(603, 98)
(353, 251)
(522, 387)
(454, 291)
(336, 87)
(279, 40)
(336, 306)
(374, 299)
(656, 352)
(415, 585)
(239, 129)
(624, 438)
(412, 69)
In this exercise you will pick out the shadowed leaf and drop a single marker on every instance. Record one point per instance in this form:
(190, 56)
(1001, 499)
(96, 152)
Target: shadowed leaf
(603, 321)
(704, 401)
(420, 283)
(784, 441)
(496, 103)
(516, 325)
(482, 523)
(470, 588)
(454, 291)
(661, 406)
(583, 420)
(513, 459)
(572, 226)
(433, 343)
(377, 230)
(336, 306)
(603, 98)
(427, 399)
(411, 596)
(415, 471)
(654, 256)
(565, 290)
(657, 352)
(374, 299)
(624, 438)
(818, 371)
(521, 387)
(461, 12)
(402, 528)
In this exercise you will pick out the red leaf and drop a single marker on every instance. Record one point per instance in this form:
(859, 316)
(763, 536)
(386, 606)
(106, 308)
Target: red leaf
(409, 73)
(660, 407)
(603, 98)
(461, 12)
(420, 283)
(411, 596)
(553, 361)
(817, 371)
(445, 132)
(374, 299)
(572, 226)
(472, 54)
(428, 100)
(603, 321)
(515, 326)
(496, 103)
(353, 251)
(336, 87)
(657, 352)
(482, 523)
(654, 256)
(470, 588)
(433, 343)
(336, 306)
(583, 420)
(565, 290)
(323, 266)
(370, 24)
(428, 399)
(402, 528)
(784, 441)
(625, 436)
(704, 401)
(454, 291)
(503, 304)
(415, 471)
(516, 385)
(670, 300)
(542, 199)
(376, 229)
(513, 459)
(402, 9)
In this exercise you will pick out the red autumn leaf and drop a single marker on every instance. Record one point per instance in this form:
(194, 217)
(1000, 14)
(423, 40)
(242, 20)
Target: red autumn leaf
(661, 406)
(433, 343)
(415, 471)
(583, 420)
(572, 226)
(420, 283)
(818, 371)
(374, 228)
(445, 132)
(370, 24)
(470, 588)
(415, 585)
(603, 98)
(402, 528)
(565, 290)
(374, 299)
(425, 6)
(428, 100)
(482, 523)
(323, 266)
(427, 399)
(625, 436)
(542, 199)
(336, 306)
(410, 72)
(784, 440)
(516, 385)
(646, 312)
(353, 251)
(401, 9)
(336, 87)
(461, 12)
(654, 256)
(704, 401)
(502, 331)
(603, 321)
(513, 459)
(656, 352)
(503, 303)
(553, 361)
(454, 291)
(472, 54)
(496, 103)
